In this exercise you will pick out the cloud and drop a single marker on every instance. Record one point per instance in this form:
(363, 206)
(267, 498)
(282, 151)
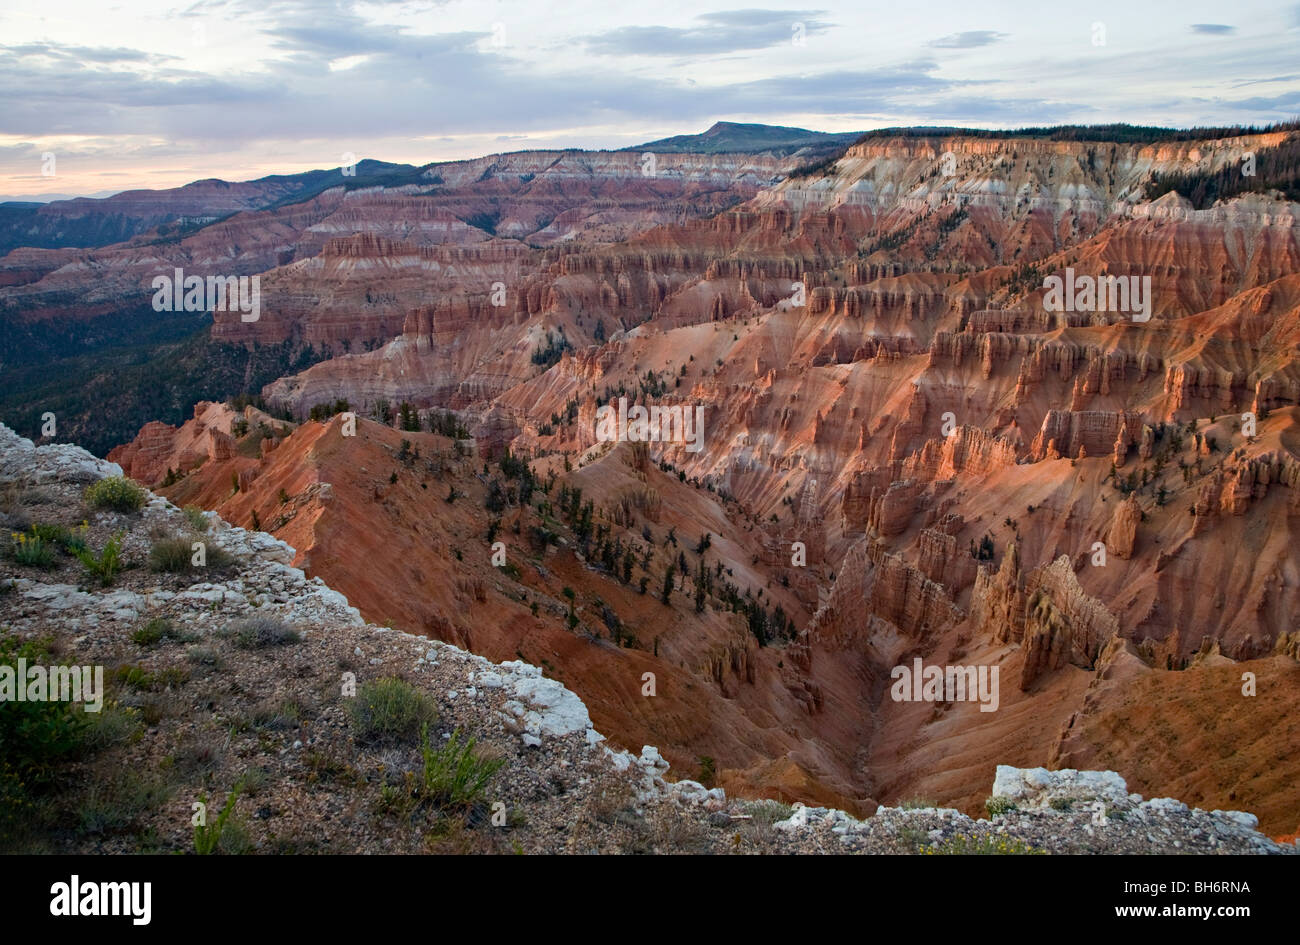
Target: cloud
(340, 77)
(79, 54)
(716, 33)
(846, 88)
(970, 39)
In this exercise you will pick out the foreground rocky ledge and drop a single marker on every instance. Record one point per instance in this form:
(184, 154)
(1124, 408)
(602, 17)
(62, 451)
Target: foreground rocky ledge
(196, 715)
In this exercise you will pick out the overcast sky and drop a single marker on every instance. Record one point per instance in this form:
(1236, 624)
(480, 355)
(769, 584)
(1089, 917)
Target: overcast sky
(155, 94)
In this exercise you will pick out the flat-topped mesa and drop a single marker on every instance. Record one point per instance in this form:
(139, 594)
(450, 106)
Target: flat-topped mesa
(1214, 153)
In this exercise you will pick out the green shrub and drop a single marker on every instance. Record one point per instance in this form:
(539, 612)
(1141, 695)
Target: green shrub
(256, 780)
(71, 540)
(117, 803)
(207, 836)
(235, 840)
(75, 539)
(107, 563)
(255, 633)
(999, 805)
(914, 838)
(32, 551)
(36, 740)
(155, 631)
(391, 710)
(114, 724)
(277, 715)
(60, 534)
(917, 803)
(137, 677)
(455, 774)
(195, 517)
(117, 493)
(768, 811)
(206, 659)
(172, 555)
(175, 555)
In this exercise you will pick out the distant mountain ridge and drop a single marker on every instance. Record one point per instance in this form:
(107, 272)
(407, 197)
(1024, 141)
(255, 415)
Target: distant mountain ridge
(50, 198)
(92, 222)
(729, 136)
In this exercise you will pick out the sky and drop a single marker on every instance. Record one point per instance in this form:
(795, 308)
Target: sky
(157, 94)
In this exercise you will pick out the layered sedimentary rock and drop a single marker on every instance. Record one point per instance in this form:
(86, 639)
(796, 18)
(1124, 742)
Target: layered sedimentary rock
(879, 330)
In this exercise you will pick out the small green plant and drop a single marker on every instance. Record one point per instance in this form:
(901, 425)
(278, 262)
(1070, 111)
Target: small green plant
(768, 812)
(75, 539)
(277, 715)
(256, 780)
(118, 803)
(195, 518)
(207, 836)
(399, 801)
(137, 677)
(999, 805)
(69, 539)
(154, 631)
(914, 838)
(455, 774)
(205, 656)
(32, 551)
(1061, 803)
(116, 493)
(390, 710)
(54, 534)
(259, 632)
(917, 803)
(172, 555)
(105, 565)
